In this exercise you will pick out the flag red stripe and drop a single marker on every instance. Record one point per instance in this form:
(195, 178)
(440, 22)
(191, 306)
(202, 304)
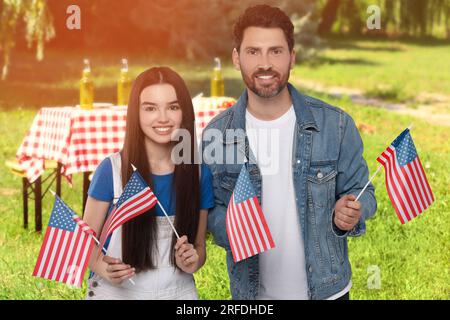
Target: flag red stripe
(117, 214)
(81, 261)
(68, 276)
(241, 232)
(113, 221)
(419, 193)
(424, 177)
(239, 252)
(403, 197)
(401, 187)
(414, 191)
(230, 234)
(420, 183)
(72, 256)
(251, 238)
(59, 254)
(258, 229)
(77, 260)
(41, 253)
(68, 255)
(390, 187)
(233, 240)
(263, 221)
(54, 256)
(63, 261)
(419, 187)
(407, 191)
(127, 217)
(121, 214)
(248, 229)
(49, 247)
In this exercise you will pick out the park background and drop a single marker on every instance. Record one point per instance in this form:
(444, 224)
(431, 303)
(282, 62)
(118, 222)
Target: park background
(385, 79)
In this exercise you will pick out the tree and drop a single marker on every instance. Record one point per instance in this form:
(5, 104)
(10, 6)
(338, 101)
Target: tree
(329, 14)
(38, 27)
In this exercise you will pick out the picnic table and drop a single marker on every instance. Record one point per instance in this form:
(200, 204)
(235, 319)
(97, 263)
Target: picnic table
(78, 140)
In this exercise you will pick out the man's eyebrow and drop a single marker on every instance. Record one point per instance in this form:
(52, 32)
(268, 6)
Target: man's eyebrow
(276, 47)
(254, 48)
(259, 48)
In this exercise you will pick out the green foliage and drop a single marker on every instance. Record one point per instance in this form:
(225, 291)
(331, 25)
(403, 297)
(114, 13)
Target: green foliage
(418, 18)
(38, 25)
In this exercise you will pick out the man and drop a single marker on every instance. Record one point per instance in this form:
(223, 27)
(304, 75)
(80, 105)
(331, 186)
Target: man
(308, 187)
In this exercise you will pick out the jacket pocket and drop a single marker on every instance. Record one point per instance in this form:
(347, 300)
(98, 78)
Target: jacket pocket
(321, 181)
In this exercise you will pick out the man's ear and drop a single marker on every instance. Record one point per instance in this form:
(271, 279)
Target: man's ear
(293, 57)
(235, 58)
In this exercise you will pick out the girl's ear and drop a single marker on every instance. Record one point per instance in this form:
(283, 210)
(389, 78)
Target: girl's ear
(235, 58)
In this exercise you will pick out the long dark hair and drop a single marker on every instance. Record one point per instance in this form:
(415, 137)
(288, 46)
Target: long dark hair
(139, 234)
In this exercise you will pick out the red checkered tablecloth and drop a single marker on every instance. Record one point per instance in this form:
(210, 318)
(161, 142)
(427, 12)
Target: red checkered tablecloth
(80, 139)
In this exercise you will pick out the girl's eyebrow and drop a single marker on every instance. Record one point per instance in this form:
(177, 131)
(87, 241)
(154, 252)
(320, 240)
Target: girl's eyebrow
(148, 103)
(155, 104)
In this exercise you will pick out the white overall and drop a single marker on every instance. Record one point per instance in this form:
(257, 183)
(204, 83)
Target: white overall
(163, 283)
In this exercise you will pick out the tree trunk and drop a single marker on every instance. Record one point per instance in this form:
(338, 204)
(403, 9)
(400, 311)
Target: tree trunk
(329, 14)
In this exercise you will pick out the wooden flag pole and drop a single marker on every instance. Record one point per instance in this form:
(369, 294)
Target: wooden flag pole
(373, 176)
(98, 242)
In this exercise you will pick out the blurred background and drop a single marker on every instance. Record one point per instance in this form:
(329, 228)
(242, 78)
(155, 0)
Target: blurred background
(386, 77)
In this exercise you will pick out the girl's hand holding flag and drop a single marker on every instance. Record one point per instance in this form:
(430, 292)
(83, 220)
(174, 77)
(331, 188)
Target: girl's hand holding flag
(186, 256)
(115, 271)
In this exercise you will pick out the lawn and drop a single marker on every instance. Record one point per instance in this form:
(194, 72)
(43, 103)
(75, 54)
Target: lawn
(413, 259)
(397, 70)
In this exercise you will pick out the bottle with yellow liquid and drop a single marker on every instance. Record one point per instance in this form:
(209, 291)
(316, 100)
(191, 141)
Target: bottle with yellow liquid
(217, 83)
(123, 85)
(86, 88)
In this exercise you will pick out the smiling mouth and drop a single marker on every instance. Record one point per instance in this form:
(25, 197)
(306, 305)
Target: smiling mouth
(162, 129)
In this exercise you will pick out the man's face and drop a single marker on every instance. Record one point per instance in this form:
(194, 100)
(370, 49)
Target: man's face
(264, 60)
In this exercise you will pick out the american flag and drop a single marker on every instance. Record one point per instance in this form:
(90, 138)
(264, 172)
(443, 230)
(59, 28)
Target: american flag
(246, 226)
(406, 182)
(137, 198)
(66, 248)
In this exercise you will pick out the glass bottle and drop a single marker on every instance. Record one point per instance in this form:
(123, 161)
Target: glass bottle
(86, 88)
(123, 85)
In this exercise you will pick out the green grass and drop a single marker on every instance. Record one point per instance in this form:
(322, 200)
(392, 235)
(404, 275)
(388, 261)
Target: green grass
(390, 69)
(413, 258)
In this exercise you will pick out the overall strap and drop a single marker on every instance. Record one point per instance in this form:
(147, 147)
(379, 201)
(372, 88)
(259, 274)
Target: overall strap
(116, 163)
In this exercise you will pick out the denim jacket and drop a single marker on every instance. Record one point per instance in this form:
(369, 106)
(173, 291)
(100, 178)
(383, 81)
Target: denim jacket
(327, 164)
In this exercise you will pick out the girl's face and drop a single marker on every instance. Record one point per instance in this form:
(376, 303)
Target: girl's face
(159, 112)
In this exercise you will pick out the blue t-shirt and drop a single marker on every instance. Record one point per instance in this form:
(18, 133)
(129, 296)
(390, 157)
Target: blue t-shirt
(102, 188)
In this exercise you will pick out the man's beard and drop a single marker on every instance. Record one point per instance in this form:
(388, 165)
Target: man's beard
(262, 91)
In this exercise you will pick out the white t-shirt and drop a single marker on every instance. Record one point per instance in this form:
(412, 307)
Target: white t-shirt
(282, 270)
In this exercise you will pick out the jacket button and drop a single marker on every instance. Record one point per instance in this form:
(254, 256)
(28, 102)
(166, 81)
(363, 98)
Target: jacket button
(310, 269)
(320, 175)
(298, 161)
(91, 293)
(95, 284)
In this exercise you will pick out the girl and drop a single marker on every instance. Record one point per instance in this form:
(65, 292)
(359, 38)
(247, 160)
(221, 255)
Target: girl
(145, 247)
